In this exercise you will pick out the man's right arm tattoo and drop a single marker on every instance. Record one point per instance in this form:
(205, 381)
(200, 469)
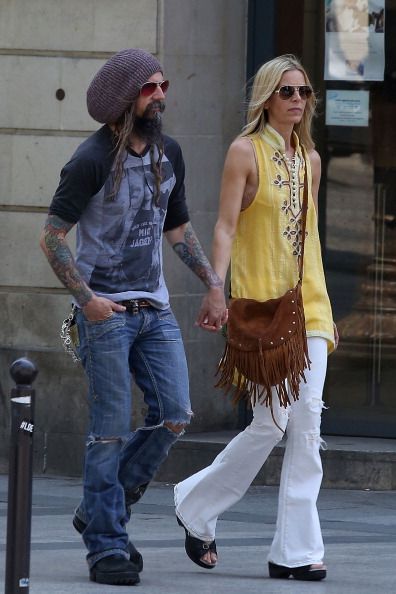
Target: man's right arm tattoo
(61, 259)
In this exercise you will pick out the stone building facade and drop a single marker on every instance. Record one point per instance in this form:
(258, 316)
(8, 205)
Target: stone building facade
(50, 49)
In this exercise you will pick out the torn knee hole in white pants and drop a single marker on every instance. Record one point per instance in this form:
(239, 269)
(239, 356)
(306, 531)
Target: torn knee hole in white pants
(315, 404)
(313, 438)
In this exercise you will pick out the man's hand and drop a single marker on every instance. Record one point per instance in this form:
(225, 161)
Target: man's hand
(99, 308)
(213, 313)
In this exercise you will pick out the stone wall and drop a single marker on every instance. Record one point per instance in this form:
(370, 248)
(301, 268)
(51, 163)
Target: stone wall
(52, 45)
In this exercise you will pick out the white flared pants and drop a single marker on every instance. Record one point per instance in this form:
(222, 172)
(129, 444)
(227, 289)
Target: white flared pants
(202, 497)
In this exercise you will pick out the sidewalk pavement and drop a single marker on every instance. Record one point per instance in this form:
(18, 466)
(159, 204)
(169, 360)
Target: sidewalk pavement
(359, 530)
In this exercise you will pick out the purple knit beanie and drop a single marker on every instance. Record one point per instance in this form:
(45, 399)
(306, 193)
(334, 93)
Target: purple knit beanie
(116, 85)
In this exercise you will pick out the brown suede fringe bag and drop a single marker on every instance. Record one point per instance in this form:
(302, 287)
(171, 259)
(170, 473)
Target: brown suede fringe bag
(266, 342)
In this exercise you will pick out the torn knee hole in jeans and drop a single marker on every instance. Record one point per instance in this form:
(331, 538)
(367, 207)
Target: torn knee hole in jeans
(178, 428)
(95, 439)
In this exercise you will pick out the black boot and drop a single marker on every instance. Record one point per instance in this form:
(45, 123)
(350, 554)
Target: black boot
(131, 497)
(114, 570)
(134, 555)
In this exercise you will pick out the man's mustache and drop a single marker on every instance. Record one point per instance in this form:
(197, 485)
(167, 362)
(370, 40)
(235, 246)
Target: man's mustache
(159, 105)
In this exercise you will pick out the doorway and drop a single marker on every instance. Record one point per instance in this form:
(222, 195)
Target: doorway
(359, 191)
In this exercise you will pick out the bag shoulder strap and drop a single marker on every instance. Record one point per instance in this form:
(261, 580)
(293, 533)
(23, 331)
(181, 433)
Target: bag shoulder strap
(304, 210)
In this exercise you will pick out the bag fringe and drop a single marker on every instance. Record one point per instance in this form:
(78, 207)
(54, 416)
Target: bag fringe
(254, 374)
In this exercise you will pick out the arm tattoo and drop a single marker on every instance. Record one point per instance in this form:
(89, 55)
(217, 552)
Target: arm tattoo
(61, 259)
(191, 253)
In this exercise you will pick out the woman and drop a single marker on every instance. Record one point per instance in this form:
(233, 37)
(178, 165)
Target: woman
(258, 228)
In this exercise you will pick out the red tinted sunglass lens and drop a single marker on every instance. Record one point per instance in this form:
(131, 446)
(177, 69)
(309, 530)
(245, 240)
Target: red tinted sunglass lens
(165, 86)
(150, 87)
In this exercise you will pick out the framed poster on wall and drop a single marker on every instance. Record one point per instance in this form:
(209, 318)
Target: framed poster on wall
(354, 40)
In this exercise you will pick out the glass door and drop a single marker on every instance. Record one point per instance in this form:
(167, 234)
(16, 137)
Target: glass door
(359, 187)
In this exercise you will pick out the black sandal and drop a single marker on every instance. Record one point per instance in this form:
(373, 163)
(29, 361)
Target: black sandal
(196, 548)
(307, 573)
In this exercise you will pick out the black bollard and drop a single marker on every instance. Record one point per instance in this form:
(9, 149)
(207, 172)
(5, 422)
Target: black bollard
(19, 513)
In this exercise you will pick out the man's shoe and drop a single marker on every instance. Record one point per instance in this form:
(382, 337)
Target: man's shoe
(134, 556)
(114, 570)
(132, 496)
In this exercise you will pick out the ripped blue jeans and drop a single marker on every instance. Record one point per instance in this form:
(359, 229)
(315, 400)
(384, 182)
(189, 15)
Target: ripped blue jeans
(149, 346)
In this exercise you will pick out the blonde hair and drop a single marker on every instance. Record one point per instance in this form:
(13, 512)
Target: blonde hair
(265, 82)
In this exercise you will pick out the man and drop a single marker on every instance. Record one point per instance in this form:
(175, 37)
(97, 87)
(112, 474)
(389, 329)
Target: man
(124, 187)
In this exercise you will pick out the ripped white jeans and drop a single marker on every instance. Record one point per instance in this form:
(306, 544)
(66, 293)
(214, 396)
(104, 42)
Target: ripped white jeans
(202, 497)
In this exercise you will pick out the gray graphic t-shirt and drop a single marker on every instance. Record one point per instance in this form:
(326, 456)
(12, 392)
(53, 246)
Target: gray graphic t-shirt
(119, 241)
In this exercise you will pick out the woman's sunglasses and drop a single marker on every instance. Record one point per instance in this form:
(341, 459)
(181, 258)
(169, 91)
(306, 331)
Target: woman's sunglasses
(150, 87)
(287, 91)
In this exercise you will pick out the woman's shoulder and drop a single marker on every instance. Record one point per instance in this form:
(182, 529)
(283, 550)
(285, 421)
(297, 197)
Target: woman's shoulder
(242, 145)
(241, 152)
(315, 162)
(314, 157)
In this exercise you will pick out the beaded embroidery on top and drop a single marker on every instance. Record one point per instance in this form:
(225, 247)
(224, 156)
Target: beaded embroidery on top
(293, 205)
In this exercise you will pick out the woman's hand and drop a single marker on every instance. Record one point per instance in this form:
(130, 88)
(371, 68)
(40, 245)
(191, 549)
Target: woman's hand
(213, 313)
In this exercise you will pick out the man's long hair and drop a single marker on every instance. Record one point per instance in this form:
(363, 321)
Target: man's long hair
(265, 82)
(124, 129)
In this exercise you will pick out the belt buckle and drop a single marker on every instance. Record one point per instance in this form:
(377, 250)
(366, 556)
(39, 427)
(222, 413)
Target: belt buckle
(135, 306)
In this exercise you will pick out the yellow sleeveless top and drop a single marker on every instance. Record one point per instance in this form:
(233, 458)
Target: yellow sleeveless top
(264, 262)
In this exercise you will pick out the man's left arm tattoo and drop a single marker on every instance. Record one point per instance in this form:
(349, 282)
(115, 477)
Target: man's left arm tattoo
(191, 253)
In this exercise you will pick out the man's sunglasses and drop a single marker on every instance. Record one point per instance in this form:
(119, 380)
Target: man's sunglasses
(150, 87)
(287, 91)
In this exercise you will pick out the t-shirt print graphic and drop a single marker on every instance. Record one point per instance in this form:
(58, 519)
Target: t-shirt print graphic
(132, 239)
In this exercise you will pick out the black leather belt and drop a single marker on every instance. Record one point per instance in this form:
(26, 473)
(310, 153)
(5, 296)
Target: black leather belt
(134, 305)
